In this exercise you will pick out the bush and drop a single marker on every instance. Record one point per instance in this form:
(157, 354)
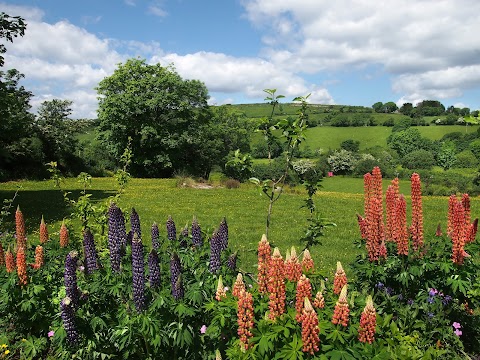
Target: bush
(351, 145)
(342, 161)
(232, 184)
(466, 159)
(419, 159)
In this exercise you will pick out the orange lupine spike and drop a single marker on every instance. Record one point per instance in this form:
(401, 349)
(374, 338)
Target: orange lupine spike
(391, 198)
(310, 329)
(401, 232)
(64, 236)
(341, 312)
(22, 267)
(276, 285)
(307, 261)
(304, 290)
(375, 230)
(20, 229)
(220, 293)
(39, 257)
(264, 255)
(466, 207)
(245, 319)
(459, 233)
(9, 261)
(367, 191)
(377, 184)
(368, 322)
(238, 286)
(43, 232)
(340, 279)
(416, 228)
(293, 268)
(319, 301)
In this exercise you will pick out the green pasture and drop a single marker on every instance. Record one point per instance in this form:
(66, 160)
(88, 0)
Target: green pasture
(245, 209)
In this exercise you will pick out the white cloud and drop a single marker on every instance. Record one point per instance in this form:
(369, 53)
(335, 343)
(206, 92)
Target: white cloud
(157, 11)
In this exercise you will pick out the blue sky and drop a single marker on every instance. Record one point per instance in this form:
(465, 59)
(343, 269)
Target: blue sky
(354, 52)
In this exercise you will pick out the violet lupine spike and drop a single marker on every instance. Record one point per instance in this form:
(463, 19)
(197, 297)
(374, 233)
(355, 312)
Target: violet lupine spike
(135, 223)
(153, 269)
(184, 237)
(117, 237)
(68, 316)
(196, 233)
(70, 277)
(215, 252)
(223, 234)
(91, 258)
(176, 277)
(171, 229)
(232, 261)
(155, 237)
(138, 272)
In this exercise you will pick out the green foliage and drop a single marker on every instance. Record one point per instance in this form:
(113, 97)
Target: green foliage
(350, 145)
(418, 159)
(406, 141)
(446, 157)
(239, 167)
(342, 161)
(10, 27)
(466, 159)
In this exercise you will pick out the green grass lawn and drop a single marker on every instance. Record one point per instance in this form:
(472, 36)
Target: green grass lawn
(154, 199)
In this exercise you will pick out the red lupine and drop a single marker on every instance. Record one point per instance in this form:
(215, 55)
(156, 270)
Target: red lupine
(401, 232)
(293, 267)
(43, 232)
(319, 301)
(377, 183)
(304, 290)
(391, 198)
(220, 293)
(472, 231)
(368, 322)
(64, 236)
(276, 285)
(340, 279)
(310, 329)
(238, 286)
(362, 223)
(245, 319)
(22, 267)
(9, 261)
(39, 257)
(264, 255)
(20, 229)
(459, 233)
(416, 228)
(307, 261)
(375, 231)
(341, 312)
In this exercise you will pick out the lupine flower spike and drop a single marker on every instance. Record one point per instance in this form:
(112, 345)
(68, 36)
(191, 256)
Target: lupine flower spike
(171, 229)
(401, 231)
(218, 355)
(264, 255)
(155, 236)
(64, 236)
(43, 232)
(138, 272)
(304, 290)
(307, 261)
(22, 267)
(135, 224)
(20, 229)
(196, 233)
(215, 252)
(91, 258)
(238, 286)
(176, 277)
(153, 269)
(223, 233)
(70, 277)
(341, 312)
(117, 235)
(368, 322)
(68, 317)
(459, 233)
(276, 285)
(220, 293)
(340, 279)
(39, 257)
(245, 319)
(416, 228)
(10, 261)
(310, 329)
(232, 261)
(295, 269)
(319, 301)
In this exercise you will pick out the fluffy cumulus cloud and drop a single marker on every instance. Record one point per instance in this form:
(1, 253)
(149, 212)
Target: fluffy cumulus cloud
(428, 47)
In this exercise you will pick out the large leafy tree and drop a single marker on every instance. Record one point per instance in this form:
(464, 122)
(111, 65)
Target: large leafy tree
(159, 111)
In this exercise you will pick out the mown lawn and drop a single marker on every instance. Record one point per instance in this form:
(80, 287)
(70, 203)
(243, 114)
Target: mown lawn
(245, 209)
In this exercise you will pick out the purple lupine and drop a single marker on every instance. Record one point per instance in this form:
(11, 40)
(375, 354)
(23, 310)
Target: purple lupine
(184, 237)
(70, 277)
(153, 269)
(215, 252)
(176, 277)
(155, 237)
(68, 317)
(232, 261)
(223, 234)
(171, 229)
(91, 259)
(138, 272)
(196, 233)
(117, 236)
(135, 224)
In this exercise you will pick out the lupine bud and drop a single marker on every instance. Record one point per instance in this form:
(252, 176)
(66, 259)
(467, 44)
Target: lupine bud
(293, 268)
(218, 355)
(138, 272)
(340, 279)
(43, 232)
(304, 290)
(245, 319)
(117, 236)
(232, 261)
(264, 255)
(9, 261)
(223, 234)
(68, 316)
(20, 229)
(196, 233)
(341, 312)
(91, 258)
(2, 255)
(64, 236)
(171, 229)
(276, 285)
(319, 301)
(307, 261)
(155, 237)
(184, 237)
(416, 228)
(135, 224)
(310, 329)
(215, 252)
(70, 277)
(22, 267)
(39, 258)
(368, 322)
(238, 286)
(153, 269)
(176, 277)
(220, 293)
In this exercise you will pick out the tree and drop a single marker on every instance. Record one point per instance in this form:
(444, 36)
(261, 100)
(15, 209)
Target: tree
(418, 159)
(10, 27)
(446, 157)
(378, 107)
(407, 109)
(390, 107)
(161, 112)
(350, 145)
(406, 141)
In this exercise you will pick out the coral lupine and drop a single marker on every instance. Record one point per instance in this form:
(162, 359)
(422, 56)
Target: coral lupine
(138, 273)
(416, 228)
(64, 235)
(264, 255)
(293, 267)
(245, 319)
(155, 237)
(304, 290)
(459, 233)
(153, 269)
(196, 233)
(22, 267)
(368, 322)
(319, 301)
(377, 183)
(10, 261)
(39, 257)
(401, 231)
(220, 293)
(68, 316)
(391, 199)
(20, 229)
(375, 231)
(340, 279)
(310, 329)
(91, 258)
(276, 285)
(238, 286)
(43, 232)
(341, 312)
(307, 261)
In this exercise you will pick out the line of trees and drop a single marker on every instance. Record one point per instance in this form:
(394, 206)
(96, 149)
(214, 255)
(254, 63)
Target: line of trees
(423, 108)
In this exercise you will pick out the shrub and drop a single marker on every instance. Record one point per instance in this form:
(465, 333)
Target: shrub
(342, 161)
(466, 159)
(419, 159)
(350, 145)
(232, 184)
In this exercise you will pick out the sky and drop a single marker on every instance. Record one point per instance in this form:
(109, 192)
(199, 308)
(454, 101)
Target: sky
(348, 52)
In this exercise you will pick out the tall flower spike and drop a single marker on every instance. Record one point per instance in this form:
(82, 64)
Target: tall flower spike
(223, 233)
(20, 229)
(340, 279)
(215, 252)
(368, 322)
(176, 277)
(218, 355)
(245, 319)
(375, 231)
(307, 261)
(238, 286)
(304, 290)
(43, 232)
(220, 293)
(91, 258)
(155, 237)
(138, 272)
(310, 329)
(466, 207)
(264, 255)
(377, 183)
(196, 233)
(135, 224)
(367, 192)
(276, 285)
(401, 232)
(70, 277)
(232, 261)
(391, 201)
(22, 267)
(39, 257)
(153, 269)
(341, 312)
(171, 229)
(9, 261)
(117, 235)
(459, 233)
(68, 317)
(64, 235)
(319, 301)
(296, 265)
(416, 228)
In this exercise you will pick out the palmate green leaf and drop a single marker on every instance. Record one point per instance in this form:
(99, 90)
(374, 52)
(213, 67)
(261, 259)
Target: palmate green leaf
(292, 350)
(340, 355)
